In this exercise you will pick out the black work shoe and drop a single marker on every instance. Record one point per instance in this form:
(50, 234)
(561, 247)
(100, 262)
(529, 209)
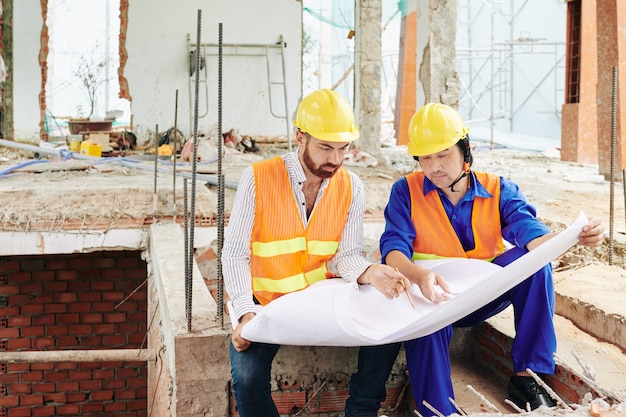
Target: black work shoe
(524, 389)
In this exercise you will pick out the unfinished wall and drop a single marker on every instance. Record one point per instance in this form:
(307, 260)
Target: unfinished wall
(159, 64)
(68, 302)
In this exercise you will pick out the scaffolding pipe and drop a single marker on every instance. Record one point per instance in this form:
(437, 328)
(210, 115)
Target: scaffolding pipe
(103, 355)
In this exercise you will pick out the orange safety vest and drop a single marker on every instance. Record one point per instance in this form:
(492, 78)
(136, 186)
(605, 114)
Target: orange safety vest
(286, 256)
(435, 236)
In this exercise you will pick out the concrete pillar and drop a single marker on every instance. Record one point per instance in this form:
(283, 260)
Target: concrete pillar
(406, 89)
(579, 129)
(436, 52)
(611, 38)
(368, 64)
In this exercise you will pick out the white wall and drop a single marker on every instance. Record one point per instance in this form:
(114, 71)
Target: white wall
(27, 22)
(158, 64)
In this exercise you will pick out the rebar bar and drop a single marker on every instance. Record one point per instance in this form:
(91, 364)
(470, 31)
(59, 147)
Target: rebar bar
(220, 187)
(612, 186)
(156, 164)
(174, 153)
(192, 208)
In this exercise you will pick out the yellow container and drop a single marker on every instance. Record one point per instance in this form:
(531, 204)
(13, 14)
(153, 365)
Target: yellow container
(87, 147)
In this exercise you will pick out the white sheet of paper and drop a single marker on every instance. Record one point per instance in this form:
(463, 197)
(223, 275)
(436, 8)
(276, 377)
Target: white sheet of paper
(336, 313)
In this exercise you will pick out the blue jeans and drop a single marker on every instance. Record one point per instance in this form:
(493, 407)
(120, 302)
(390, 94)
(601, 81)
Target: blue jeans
(251, 373)
(368, 385)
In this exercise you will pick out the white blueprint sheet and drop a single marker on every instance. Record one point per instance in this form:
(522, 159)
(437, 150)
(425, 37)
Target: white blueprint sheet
(335, 313)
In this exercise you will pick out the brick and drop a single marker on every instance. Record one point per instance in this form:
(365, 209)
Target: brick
(113, 274)
(68, 409)
(55, 397)
(66, 275)
(9, 401)
(103, 307)
(28, 400)
(55, 376)
(47, 366)
(67, 341)
(16, 277)
(115, 318)
(67, 386)
(31, 288)
(115, 407)
(41, 299)
(80, 329)
(65, 297)
(91, 408)
(90, 385)
(79, 308)
(90, 318)
(76, 397)
(136, 273)
(19, 412)
(33, 331)
(103, 328)
(138, 405)
(80, 375)
(57, 330)
(18, 344)
(55, 308)
(89, 297)
(43, 320)
(47, 410)
(43, 388)
(9, 266)
(11, 311)
(9, 290)
(19, 321)
(14, 389)
(43, 276)
(69, 318)
(9, 333)
(104, 374)
(113, 341)
(58, 263)
(103, 263)
(32, 309)
(129, 262)
(43, 342)
(101, 395)
(32, 377)
(79, 263)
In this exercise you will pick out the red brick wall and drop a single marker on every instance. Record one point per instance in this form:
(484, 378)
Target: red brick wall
(79, 301)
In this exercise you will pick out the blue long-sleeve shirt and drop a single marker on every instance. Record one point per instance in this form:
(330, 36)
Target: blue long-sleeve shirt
(519, 223)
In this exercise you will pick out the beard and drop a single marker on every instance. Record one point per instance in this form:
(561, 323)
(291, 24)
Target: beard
(324, 171)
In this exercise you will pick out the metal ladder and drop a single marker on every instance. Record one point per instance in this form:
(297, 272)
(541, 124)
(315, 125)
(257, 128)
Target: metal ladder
(241, 50)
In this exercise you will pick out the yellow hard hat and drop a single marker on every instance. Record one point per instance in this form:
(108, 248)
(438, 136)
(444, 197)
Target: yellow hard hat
(327, 116)
(433, 128)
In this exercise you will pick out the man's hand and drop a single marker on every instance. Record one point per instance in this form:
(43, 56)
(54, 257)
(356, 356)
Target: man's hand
(239, 342)
(592, 234)
(385, 279)
(428, 282)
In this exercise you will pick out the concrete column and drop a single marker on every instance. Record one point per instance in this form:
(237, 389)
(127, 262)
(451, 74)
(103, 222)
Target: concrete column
(368, 62)
(611, 38)
(406, 90)
(579, 129)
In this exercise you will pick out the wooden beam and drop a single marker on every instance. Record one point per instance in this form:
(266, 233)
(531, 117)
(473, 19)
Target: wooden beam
(110, 355)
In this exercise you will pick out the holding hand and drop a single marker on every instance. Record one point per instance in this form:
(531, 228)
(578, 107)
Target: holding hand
(592, 234)
(385, 279)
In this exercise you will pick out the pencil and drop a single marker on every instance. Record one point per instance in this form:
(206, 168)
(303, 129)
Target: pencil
(406, 291)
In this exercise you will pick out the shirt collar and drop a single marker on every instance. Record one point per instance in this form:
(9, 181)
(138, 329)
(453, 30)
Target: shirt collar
(476, 189)
(295, 170)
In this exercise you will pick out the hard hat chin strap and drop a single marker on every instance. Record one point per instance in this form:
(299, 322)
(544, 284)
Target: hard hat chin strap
(466, 170)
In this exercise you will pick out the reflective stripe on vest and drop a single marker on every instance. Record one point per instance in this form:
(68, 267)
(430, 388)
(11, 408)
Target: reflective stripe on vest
(286, 257)
(436, 238)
